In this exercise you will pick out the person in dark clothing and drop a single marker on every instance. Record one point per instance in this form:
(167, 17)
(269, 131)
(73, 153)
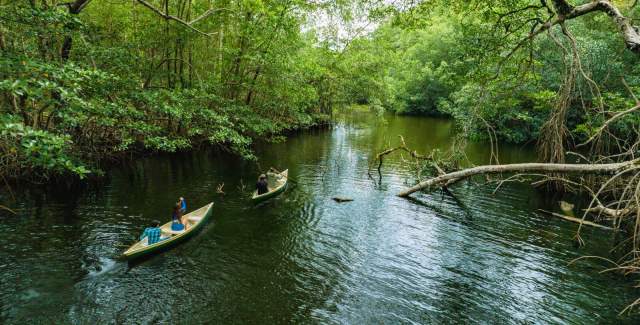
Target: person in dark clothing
(262, 186)
(176, 215)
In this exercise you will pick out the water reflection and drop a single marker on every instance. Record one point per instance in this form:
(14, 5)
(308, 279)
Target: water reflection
(303, 258)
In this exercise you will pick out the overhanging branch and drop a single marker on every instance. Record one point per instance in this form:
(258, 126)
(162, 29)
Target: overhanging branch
(630, 33)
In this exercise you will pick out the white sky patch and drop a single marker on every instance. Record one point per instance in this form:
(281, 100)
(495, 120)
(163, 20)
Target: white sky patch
(336, 31)
(339, 25)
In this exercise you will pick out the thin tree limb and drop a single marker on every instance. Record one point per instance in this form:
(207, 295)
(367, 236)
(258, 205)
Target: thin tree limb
(577, 220)
(609, 121)
(178, 19)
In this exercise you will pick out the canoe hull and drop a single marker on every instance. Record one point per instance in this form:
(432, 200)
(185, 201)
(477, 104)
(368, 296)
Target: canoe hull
(170, 243)
(269, 195)
(263, 197)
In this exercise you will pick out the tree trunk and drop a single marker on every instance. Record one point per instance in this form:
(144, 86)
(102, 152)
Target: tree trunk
(522, 168)
(74, 9)
(220, 58)
(253, 83)
(2, 42)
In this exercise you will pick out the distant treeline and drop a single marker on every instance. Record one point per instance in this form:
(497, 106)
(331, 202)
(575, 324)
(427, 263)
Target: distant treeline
(458, 60)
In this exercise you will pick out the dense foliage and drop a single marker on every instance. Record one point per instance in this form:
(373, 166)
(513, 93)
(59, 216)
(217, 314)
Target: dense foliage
(86, 81)
(83, 82)
(455, 59)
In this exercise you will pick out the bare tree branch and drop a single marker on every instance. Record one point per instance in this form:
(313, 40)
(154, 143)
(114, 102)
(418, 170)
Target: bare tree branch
(506, 14)
(574, 219)
(609, 121)
(207, 14)
(180, 20)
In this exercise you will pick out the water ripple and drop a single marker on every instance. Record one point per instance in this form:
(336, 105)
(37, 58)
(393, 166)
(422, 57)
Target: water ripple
(475, 257)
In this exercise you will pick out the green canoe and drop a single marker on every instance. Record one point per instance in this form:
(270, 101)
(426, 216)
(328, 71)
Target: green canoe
(195, 221)
(277, 185)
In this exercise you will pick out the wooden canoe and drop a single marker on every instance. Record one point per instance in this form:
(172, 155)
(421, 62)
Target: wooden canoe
(195, 221)
(277, 185)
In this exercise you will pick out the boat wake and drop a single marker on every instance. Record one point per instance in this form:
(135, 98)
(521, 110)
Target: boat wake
(104, 265)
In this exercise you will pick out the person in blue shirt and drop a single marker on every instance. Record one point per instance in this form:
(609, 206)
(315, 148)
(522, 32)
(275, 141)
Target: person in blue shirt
(183, 205)
(153, 233)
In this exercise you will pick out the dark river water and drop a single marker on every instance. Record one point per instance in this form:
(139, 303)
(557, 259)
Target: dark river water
(303, 258)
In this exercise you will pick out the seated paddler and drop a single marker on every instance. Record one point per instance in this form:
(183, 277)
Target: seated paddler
(152, 233)
(262, 185)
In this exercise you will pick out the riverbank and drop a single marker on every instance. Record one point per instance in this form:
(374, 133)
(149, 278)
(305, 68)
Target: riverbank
(78, 93)
(80, 141)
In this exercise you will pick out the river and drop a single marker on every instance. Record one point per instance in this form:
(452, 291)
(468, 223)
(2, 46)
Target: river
(303, 258)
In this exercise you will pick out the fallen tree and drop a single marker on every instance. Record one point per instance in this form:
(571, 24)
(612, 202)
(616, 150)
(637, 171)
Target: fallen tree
(604, 169)
(609, 170)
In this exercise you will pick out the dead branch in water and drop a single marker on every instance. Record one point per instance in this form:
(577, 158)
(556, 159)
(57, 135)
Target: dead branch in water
(402, 147)
(577, 220)
(429, 159)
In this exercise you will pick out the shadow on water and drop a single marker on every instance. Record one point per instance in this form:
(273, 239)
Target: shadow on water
(441, 212)
(462, 257)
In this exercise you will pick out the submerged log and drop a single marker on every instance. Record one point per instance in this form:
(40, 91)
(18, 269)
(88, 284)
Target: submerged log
(576, 220)
(2, 207)
(445, 179)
